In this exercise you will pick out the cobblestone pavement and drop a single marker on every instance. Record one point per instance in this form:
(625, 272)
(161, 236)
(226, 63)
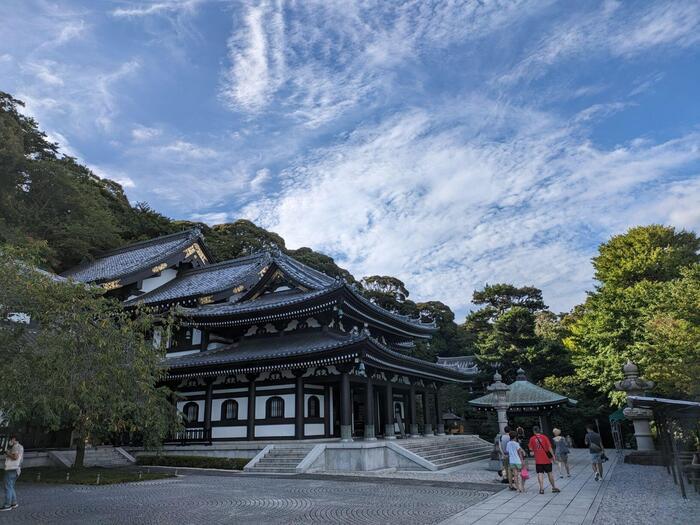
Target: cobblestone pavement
(646, 495)
(243, 499)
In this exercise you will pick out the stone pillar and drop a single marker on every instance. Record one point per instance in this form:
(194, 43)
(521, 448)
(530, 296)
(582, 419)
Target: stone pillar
(345, 407)
(501, 404)
(250, 434)
(389, 412)
(634, 385)
(369, 409)
(427, 425)
(439, 424)
(299, 405)
(412, 411)
(207, 408)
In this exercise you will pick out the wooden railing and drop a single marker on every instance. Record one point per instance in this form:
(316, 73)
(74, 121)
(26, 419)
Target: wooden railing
(191, 435)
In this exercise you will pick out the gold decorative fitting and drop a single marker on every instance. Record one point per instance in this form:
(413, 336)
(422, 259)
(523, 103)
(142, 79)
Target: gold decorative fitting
(195, 249)
(111, 285)
(239, 288)
(206, 299)
(262, 272)
(159, 268)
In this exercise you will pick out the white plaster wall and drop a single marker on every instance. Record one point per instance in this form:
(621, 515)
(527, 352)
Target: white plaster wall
(229, 432)
(242, 408)
(196, 336)
(260, 405)
(183, 352)
(159, 280)
(274, 431)
(272, 387)
(200, 415)
(314, 429)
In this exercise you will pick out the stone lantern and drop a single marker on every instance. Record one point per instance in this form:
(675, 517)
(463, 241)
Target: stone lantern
(633, 385)
(501, 405)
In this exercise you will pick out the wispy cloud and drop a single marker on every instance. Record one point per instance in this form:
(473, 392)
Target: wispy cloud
(467, 193)
(142, 9)
(144, 133)
(615, 29)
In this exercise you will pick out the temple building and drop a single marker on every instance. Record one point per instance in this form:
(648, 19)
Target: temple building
(268, 348)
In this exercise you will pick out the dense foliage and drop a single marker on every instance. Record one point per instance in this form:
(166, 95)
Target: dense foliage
(82, 362)
(193, 461)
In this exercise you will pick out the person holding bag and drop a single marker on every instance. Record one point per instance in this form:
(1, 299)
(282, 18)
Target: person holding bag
(544, 455)
(595, 447)
(516, 459)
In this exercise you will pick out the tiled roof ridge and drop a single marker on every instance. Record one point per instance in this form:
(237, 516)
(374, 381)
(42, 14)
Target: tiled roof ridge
(406, 318)
(223, 264)
(186, 234)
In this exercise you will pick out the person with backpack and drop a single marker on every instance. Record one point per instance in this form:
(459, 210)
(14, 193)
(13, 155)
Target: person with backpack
(544, 455)
(595, 447)
(561, 451)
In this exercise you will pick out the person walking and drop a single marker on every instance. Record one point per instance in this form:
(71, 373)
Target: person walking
(516, 458)
(595, 447)
(544, 455)
(13, 461)
(505, 439)
(561, 451)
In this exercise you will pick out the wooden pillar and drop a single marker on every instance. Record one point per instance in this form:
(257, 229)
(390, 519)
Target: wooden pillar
(250, 435)
(345, 406)
(369, 409)
(389, 411)
(327, 420)
(427, 425)
(299, 405)
(439, 424)
(207, 408)
(412, 411)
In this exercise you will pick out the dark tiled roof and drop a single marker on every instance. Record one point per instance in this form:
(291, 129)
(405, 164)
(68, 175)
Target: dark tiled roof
(464, 363)
(304, 274)
(256, 349)
(263, 302)
(210, 279)
(124, 261)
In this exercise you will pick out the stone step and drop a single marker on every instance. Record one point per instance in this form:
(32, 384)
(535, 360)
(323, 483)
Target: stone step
(462, 462)
(457, 457)
(452, 453)
(444, 450)
(274, 461)
(273, 470)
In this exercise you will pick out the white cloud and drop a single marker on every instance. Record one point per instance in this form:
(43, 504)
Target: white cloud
(615, 29)
(45, 72)
(142, 9)
(452, 197)
(257, 59)
(184, 149)
(210, 218)
(144, 134)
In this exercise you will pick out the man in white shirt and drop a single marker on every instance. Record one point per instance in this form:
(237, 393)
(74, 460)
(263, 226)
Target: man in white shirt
(13, 461)
(505, 439)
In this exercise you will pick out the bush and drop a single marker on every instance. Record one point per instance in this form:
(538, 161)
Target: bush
(193, 461)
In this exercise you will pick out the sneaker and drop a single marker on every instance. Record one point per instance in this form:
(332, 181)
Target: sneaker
(3, 509)
(597, 476)
(14, 506)
(556, 490)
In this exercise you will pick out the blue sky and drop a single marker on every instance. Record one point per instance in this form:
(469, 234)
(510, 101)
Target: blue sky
(448, 143)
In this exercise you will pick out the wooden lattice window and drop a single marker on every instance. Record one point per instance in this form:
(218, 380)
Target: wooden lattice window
(274, 408)
(313, 406)
(191, 412)
(229, 410)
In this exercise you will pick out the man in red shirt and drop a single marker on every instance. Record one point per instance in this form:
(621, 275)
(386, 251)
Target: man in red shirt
(544, 456)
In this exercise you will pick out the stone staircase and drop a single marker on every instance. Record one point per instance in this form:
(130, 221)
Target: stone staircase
(281, 459)
(449, 451)
(107, 456)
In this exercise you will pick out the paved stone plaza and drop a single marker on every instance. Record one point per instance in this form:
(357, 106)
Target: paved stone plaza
(195, 499)
(463, 495)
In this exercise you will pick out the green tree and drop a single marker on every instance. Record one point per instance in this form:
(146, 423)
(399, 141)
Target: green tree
(82, 363)
(641, 274)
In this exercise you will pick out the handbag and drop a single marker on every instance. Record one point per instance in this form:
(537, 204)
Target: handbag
(524, 473)
(549, 454)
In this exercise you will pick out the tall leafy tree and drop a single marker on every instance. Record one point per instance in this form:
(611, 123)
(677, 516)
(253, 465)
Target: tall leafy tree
(82, 363)
(647, 280)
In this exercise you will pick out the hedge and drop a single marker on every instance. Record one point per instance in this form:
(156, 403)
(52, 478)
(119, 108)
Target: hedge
(193, 461)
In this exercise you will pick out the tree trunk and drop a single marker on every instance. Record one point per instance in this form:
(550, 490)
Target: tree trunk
(80, 452)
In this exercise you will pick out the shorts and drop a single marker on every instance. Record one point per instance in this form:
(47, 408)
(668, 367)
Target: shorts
(595, 457)
(516, 467)
(542, 468)
(563, 457)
